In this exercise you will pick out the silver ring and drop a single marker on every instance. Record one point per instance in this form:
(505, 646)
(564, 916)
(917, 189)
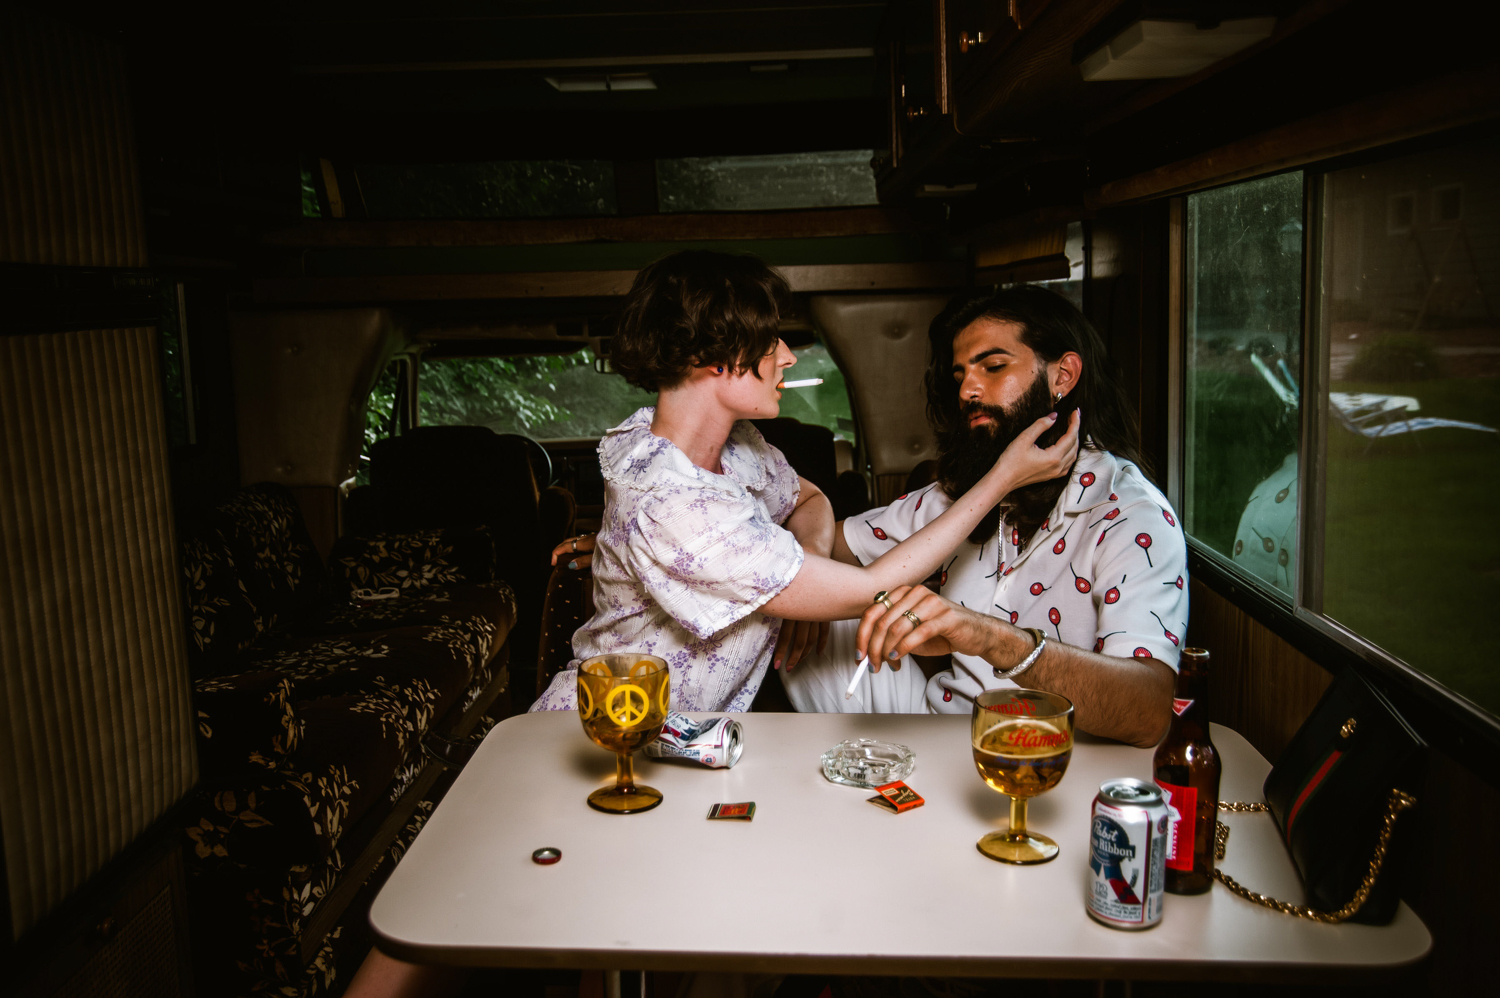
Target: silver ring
(574, 542)
(916, 621)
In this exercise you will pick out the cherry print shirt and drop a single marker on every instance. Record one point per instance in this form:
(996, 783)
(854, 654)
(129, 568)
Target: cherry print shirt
(684, 560)
(1106, 572)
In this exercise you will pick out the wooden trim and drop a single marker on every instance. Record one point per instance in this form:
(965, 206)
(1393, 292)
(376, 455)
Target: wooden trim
(638, 229)
(581, 284)
(583, 62)
(1045, 41)
(331, 187)
(1054, 267)
(1176, 349)
(940, 51)
(1459, 99)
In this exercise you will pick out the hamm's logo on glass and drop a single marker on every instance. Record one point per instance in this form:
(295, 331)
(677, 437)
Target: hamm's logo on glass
(1025, 736)
(1018, 707)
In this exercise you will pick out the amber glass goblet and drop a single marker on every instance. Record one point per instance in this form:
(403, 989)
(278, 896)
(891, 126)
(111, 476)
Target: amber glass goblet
(1023, 740)
(622, 701)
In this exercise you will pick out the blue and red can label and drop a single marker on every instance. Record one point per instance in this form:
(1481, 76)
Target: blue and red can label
(1128, 841)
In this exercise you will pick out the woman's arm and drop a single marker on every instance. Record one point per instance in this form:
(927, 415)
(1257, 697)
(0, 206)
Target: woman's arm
(811, 522)
(825, 589)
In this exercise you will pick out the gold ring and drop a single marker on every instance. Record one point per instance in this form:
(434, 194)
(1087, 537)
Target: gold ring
(916, 621)
(881, 598)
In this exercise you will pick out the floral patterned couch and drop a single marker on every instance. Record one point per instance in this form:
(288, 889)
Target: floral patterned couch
(312, 708)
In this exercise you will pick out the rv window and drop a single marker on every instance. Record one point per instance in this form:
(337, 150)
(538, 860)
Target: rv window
(757, 183)
(176, 368)
(1243, 340)
(546, 398)
(821, 405)
(1403, 404)
(525, 189)
(380, 411)
(1411, 323)
(564, 397)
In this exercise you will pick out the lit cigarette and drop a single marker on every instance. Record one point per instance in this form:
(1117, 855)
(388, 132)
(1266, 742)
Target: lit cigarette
(805, 383)
(864, 665)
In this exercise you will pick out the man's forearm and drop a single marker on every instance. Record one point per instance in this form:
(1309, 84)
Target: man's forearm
(812, 523)
(1128, 699)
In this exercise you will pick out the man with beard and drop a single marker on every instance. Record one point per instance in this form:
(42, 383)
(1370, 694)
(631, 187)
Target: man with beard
(1075, 585)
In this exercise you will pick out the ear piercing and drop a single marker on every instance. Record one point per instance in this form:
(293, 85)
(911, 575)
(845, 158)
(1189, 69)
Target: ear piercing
(721, 371)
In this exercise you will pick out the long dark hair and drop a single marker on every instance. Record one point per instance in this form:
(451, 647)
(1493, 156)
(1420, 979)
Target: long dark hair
(1051, 326)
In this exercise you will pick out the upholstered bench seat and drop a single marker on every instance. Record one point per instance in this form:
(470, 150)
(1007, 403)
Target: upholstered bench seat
(312, 703)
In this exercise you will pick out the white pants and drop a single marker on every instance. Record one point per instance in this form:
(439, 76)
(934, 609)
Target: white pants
(817, 684)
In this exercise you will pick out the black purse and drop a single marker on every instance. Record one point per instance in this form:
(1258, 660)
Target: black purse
(1337, 794)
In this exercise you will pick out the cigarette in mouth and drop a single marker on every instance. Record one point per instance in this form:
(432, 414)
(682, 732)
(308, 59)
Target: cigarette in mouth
(805, 383)
(859, 674)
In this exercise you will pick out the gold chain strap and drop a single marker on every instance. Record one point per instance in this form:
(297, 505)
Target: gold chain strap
(1399, 801)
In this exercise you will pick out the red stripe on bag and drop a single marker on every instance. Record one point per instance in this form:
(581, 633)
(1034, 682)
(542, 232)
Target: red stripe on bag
(1307, 791)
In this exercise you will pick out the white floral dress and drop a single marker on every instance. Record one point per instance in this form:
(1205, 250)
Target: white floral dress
(684, 561)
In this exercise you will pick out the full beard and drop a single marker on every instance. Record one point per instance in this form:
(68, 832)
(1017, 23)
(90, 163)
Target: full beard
(966, 453)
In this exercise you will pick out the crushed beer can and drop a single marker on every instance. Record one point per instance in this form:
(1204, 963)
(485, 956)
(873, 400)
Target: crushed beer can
(716, 742)
(1128, 840)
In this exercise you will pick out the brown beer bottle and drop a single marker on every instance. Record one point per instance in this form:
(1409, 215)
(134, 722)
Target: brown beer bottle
(1187, 769)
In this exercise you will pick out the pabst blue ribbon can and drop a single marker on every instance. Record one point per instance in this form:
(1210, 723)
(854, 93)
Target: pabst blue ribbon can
(1128, 854)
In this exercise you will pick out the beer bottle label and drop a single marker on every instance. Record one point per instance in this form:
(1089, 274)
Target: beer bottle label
(1180, 706)
(1180, 846)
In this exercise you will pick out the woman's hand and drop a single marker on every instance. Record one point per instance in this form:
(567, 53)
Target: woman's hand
(1024, 463)
(942, 627)
(576, 550)
(796, 640)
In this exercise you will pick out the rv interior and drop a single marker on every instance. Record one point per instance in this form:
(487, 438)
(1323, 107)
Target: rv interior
(310, 305)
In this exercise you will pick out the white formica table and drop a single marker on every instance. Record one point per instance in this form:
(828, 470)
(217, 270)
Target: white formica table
(822, 881)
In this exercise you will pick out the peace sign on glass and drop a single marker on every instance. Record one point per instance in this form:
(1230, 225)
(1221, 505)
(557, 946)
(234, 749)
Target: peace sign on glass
(623, 702)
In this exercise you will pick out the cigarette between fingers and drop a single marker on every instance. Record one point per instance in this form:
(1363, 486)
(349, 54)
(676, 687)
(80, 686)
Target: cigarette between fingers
(864, 666)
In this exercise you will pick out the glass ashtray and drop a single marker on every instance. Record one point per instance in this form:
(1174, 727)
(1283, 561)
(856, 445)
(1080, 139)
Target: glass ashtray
(865, 762)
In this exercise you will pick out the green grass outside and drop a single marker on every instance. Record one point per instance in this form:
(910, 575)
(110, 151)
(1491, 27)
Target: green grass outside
(1410, 559)
(1410, 562)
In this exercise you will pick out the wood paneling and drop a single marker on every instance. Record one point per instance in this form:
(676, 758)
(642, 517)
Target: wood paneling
(1124, 297)
(1262, 687)
(642, 229)
(581, 284)
(1454, 100)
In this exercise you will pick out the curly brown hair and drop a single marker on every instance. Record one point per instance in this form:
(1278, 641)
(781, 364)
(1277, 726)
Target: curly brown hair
(696, 308)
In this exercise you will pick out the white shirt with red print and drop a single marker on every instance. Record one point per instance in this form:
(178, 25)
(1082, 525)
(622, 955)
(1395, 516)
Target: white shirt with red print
(684, 561)
(1106, 572)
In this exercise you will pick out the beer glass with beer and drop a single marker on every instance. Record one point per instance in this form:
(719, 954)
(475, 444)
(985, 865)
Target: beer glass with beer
(1022, 741)
(623, 701)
